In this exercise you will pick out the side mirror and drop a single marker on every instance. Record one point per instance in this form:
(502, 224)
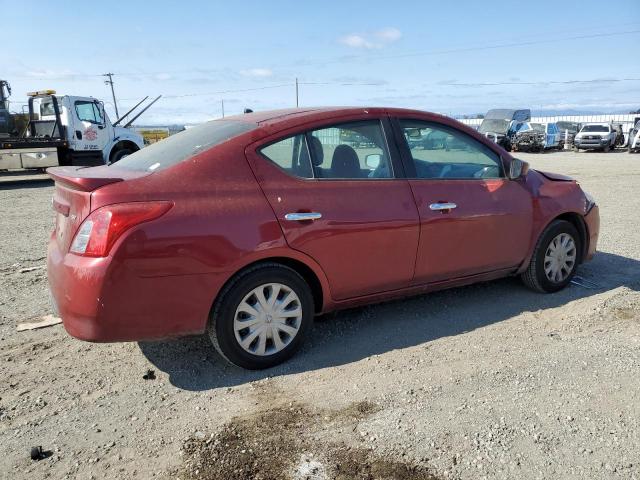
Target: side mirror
(518, 169)
(372, 161)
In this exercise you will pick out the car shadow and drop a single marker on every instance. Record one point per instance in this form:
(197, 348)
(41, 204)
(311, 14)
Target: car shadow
(355, 334)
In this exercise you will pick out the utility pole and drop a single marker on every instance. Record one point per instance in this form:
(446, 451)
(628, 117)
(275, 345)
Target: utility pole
(113, 93)
(296, 92)
(222, 103)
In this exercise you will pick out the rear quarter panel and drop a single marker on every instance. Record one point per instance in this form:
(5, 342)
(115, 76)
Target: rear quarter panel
(220, 222)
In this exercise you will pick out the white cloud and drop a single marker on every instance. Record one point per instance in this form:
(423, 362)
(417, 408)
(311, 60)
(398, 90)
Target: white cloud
(376, 39)
(257, 72)
(357, 41)
(389, 34)
(162, 76)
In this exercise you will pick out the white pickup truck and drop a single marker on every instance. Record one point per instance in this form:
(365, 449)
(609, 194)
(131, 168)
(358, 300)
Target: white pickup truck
(595, 136)
(68, 130)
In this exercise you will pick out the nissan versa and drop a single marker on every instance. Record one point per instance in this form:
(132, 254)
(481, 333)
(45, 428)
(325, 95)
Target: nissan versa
(247, 227)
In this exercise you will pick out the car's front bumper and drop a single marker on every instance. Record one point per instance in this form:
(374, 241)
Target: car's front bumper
(592, 222)
(590, 144)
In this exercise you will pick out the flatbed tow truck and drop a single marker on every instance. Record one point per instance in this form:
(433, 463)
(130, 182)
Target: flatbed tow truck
(68, 130)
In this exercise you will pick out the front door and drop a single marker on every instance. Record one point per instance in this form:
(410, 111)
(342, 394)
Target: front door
(334, 192)
(472, 218)
(89, 128)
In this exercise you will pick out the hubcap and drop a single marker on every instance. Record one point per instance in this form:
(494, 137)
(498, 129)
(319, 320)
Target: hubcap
(560, 258)
(267, 319)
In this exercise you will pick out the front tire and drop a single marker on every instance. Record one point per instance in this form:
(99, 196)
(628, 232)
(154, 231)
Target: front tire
(262, 317)
(555, 258)
(120, 154)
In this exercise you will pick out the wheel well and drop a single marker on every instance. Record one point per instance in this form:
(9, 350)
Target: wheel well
(577, 221)
(303, 270)
(123, 144)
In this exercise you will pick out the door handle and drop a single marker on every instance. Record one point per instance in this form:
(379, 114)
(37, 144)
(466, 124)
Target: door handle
(302, 216)
(443, 206)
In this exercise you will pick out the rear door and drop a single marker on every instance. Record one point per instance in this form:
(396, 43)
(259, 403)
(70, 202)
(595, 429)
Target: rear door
(472, 218)
(335, 192)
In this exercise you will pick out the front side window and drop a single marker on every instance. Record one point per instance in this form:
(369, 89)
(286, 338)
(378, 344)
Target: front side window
(355, 150)
(88, 112)
(442, 152)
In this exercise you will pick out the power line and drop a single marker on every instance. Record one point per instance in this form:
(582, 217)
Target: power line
(351, 58)
(542, 82)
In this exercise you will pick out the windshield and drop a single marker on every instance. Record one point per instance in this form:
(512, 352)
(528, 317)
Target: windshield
(183, 145)
(595, 128)
(538, 127)
(494, 125)
(572, 127)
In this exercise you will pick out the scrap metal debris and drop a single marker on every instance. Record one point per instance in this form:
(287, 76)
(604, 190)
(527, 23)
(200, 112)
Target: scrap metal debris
(46, 321)
(583, 282)
(32, 269)
(37, 453)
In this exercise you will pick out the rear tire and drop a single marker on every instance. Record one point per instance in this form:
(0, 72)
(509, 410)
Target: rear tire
(539, 276)
(251, 297)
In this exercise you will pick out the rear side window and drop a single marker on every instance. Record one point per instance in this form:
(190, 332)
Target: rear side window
(183, 145)
(290, 154)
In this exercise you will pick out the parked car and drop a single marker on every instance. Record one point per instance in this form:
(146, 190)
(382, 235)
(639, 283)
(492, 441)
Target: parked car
(595, 136)
(536, 137)
(247, 227)
(501, 124)
(633, 144)
(568, 130)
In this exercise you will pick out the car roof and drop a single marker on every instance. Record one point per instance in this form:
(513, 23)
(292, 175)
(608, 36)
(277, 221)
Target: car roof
(270, 118)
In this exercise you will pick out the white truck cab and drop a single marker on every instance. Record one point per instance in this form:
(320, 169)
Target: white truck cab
(67, 130)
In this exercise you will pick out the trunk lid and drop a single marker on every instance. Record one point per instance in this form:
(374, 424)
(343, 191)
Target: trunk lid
(72, 195)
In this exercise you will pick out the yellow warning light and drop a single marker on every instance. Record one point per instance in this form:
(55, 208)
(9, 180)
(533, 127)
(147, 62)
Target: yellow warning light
(41, 92)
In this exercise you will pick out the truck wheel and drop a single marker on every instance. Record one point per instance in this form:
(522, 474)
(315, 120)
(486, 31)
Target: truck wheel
(120, 154)
(261, 318)
(555, 258)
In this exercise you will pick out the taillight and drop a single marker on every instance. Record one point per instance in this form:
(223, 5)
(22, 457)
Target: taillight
(103, 226)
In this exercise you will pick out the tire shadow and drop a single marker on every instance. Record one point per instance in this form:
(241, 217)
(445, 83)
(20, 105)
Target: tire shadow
(352, 335)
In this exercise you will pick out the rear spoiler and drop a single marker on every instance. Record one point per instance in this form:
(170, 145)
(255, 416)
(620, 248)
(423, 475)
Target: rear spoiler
(80, 178)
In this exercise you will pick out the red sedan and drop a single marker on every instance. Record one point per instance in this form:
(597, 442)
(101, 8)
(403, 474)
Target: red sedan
(247, 227)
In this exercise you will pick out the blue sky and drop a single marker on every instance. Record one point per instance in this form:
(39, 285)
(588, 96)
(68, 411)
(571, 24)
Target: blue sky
(429, 55)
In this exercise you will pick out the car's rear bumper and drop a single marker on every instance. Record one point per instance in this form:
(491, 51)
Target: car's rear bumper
(592, 222)
(103, 300)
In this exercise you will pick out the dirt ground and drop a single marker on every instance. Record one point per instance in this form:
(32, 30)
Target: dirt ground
(488, 381)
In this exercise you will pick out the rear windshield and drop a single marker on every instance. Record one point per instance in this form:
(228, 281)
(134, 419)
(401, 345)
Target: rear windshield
(183, 145)
(595, 128)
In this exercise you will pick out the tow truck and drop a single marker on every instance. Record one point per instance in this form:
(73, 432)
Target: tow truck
(69, 130)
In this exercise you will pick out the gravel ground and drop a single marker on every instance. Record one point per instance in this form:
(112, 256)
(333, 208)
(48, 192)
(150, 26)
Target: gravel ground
(487, 381)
